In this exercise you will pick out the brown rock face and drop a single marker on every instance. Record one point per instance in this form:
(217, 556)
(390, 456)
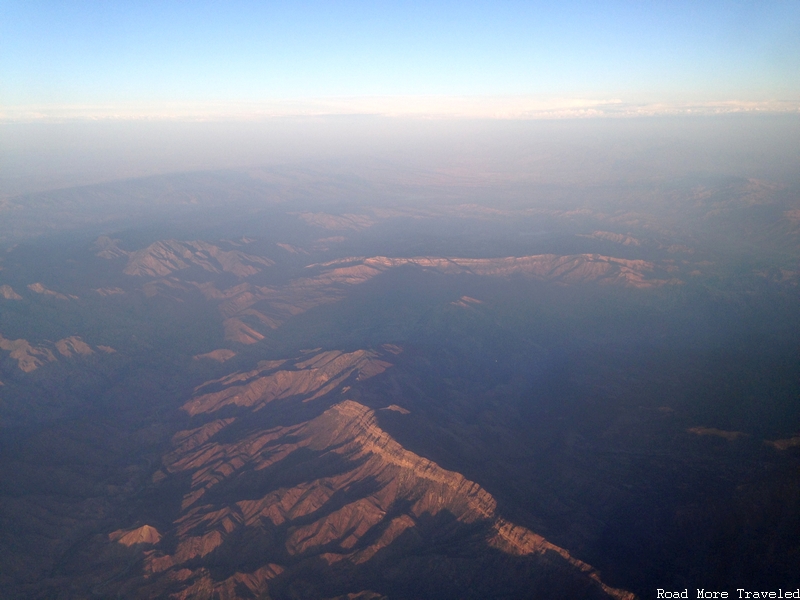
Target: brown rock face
(73, 345)
(162, 258)
(249, 312)
(551, 267)
(7, 292)
(220, 355)
(28, 357)
(334, 494)
(466, 302)
(239, 585)
(111, 291)
(143, 535)
(237, 331)
(38, 288)
(312, 378)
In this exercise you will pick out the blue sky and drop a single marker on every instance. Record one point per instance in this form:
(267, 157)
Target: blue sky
(177, 58)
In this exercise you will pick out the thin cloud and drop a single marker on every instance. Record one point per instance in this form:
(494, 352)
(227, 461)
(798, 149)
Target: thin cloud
(426, 107)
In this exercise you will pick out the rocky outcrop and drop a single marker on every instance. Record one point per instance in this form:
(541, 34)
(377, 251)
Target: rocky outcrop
(30, 357)
(310, 378)
(250, 311)
(398, 478)
(220, 355)
(617, 238)
(578, 268)
(38, 288)
(114, 291)
(107, 248)
(237, 330)
(466, 302)
(142, 535)
(73, 345)
(784, 444)
(7, 292)
(352, 494)
(254, 584)
(165, 257)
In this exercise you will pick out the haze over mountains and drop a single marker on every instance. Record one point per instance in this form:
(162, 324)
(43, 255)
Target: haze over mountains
(372, 379)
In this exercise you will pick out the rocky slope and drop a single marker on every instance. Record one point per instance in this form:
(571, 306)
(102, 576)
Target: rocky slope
(549, 267)
(333, 495)
(30, 357)
(7, 292)
(310, 378)
(250, 311)
(163, 258)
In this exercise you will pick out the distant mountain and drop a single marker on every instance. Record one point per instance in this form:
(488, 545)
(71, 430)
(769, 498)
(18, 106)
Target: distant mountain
(30, 357)
(163, 258)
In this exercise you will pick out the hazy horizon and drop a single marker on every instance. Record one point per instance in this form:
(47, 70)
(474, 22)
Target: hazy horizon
(96, 91)
(42, 156)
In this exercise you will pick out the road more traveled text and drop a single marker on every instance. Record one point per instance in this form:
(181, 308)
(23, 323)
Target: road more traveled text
(740, 593)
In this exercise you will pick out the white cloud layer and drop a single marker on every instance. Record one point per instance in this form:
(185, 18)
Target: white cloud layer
(436, 107)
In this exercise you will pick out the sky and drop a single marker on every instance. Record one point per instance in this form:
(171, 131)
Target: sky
(93, 91)
(512, 59)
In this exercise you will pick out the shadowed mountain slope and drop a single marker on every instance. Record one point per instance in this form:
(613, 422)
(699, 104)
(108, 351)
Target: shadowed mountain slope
(334, 493)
